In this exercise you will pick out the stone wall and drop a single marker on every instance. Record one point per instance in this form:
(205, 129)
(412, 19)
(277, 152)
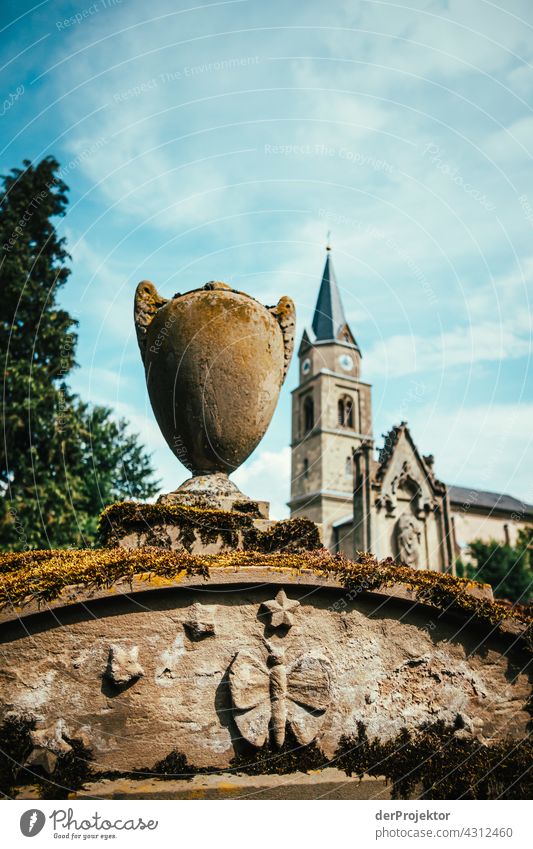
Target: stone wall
(473, 525)
(216, 668)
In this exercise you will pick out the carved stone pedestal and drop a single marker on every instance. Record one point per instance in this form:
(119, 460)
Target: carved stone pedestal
(173, 525)
(215, 492)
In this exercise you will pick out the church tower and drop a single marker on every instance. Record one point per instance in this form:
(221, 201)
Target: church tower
(331, 415)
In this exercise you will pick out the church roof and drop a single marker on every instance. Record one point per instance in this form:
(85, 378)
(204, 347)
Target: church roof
(462, 495)
(329, 317)
(483, 500)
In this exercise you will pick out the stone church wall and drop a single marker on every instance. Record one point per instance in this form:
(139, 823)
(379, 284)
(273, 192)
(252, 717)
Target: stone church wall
(469, 525)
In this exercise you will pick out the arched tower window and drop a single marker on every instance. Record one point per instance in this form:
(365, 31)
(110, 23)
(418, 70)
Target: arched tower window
(345, 414)
(348, 413)
(305, 468)
(309, 414)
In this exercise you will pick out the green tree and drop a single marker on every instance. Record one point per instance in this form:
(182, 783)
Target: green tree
(506, 568)
(60, 461)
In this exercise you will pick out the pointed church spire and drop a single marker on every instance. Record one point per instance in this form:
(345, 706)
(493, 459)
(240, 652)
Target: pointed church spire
(329, 315)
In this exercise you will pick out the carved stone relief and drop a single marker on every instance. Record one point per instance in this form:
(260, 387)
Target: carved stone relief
(268, 694)
(48, 743)
(268, 691)
(388, 665)
(169, 662)
(281, 610)
(201, 622)
(408, 533)
(123, 665)
(407, 480)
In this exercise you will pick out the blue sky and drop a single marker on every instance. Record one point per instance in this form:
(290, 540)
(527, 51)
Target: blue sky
(223, 140)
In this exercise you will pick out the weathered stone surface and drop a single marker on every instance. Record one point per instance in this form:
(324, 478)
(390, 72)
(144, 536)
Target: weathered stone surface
(328, 784)
(218, 491)
(281, 610)
(123, 665)
(176, 527)
(48, 743)
(215, 360)
(204, 538)
(407, 512)
(268, 693)
(201, 621)
(385, 662)
(40, 758)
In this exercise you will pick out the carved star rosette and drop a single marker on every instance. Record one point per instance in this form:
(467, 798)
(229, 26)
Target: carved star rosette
(281, 610)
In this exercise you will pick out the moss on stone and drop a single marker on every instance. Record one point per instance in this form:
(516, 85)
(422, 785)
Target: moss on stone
(235, 528)
(249, 507)
(289, 758)
(126, 517)
(435, 762)
(291, 535)
(15, 746)
(71, 771)
(42, 576)
(175, 765)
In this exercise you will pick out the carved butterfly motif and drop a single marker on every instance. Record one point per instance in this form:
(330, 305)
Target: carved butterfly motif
(269, 695)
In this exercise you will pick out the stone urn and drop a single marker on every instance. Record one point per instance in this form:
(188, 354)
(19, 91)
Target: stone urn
(215, 360)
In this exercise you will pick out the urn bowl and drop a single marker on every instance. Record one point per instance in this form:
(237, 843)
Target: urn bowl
(215, 360)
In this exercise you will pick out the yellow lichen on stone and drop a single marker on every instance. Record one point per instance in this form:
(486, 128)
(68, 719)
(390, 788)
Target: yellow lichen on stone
(44, 575)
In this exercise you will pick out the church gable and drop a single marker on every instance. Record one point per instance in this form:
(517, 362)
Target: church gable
(410, 504)
(402, 470)
(345, 335)
(306, 343)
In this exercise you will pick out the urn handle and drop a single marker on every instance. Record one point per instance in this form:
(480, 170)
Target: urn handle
(147, 302)
(285, 314)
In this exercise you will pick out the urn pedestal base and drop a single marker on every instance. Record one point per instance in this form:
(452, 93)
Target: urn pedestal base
(216, 492)
(175, 526)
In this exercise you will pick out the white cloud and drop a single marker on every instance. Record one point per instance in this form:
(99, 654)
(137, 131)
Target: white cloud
(98, 290)
(168, 166)
(463, 346)
(520, 79)
(484, 446)
(512, 143)
(504, 296)
(266, 477)
(443, 38)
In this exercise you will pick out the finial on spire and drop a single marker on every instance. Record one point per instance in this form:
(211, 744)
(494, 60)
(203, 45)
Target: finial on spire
(328, 242)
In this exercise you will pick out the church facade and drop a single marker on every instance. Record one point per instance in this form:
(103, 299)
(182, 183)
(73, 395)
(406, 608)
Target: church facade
(392, 504)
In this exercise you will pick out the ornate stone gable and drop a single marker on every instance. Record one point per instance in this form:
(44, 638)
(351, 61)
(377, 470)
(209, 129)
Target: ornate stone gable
(402, 473)
(402, 504)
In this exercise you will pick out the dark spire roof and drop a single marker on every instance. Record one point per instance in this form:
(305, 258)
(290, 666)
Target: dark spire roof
(329, 313)
(329, 318)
